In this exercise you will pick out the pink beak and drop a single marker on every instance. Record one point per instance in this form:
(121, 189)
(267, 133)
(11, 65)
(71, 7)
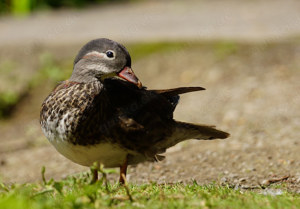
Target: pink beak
(129, 76)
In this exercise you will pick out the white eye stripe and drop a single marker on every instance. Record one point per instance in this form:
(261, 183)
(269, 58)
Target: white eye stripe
(94, 54)
(100, 55)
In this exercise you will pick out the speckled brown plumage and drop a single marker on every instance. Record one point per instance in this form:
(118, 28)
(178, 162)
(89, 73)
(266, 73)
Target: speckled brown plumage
(70, 104)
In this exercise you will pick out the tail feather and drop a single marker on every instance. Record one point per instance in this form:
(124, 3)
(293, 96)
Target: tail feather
(183, 131)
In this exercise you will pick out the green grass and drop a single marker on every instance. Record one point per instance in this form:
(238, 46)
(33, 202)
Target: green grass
(223, 49)
(77, 192)
(24, 7)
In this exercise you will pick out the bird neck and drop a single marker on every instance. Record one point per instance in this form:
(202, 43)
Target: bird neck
(83, 74)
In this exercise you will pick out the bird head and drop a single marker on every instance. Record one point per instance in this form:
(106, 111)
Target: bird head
(102, 59)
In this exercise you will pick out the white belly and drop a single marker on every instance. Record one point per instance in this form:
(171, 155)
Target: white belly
(105, 153)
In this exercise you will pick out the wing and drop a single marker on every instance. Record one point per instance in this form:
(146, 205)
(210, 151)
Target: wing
(177, 91)
(133, 101)
(173, 94)
(143, 117)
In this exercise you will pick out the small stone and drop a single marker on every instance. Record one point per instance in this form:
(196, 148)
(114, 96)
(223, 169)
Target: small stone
(265, 182)
(233, 175)
(241, 180)
(223, 180)
(236, 187)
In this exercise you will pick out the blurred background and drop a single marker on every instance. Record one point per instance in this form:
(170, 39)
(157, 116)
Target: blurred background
(245, 53)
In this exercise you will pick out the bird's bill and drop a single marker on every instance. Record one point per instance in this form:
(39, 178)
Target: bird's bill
(129, 76)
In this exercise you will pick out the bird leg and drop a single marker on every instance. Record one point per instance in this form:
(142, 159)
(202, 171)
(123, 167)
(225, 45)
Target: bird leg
(123, 171)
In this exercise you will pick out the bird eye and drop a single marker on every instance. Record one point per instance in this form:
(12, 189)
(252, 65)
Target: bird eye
(110, 54)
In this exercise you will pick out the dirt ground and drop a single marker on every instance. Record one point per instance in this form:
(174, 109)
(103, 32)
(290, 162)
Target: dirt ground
(252, 93)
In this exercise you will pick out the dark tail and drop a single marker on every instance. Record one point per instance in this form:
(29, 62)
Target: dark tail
(195, 131)
(183, 131)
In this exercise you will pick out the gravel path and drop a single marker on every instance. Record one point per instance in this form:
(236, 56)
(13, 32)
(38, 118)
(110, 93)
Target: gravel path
(158, 20)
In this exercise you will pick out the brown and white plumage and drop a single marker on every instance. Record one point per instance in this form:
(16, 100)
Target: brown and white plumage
(103, 114)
